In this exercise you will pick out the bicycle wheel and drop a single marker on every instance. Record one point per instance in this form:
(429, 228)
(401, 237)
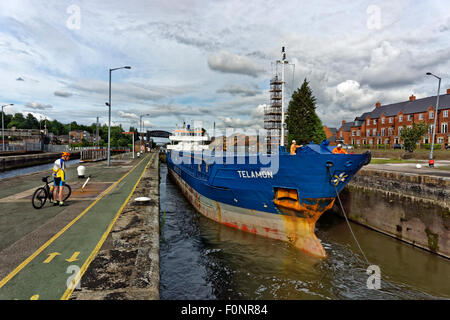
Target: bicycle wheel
(67, 191)
(39, 198)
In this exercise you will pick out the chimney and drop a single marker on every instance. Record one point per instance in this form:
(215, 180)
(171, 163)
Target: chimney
(378, 104)
(343, 122)
(412, 98)
(448, 91)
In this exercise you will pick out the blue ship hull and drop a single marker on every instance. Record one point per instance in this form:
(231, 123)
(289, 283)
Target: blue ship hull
(280, 199)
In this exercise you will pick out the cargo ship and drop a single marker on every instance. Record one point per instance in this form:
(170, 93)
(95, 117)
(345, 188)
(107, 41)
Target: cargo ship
(246, 192)
(276, 195)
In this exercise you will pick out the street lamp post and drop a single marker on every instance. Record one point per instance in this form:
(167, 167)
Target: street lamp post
(431, 161)
(3, 126)
(141, 125)
(109, 113)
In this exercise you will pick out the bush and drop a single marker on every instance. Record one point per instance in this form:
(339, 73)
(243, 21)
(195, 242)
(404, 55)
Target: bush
(427, 146)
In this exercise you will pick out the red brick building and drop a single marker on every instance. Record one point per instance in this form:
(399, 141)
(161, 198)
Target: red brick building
(383, 124)
(330, 133)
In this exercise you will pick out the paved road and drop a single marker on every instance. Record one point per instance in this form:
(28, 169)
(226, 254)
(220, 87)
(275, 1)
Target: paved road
(44, 251)
(411, 168)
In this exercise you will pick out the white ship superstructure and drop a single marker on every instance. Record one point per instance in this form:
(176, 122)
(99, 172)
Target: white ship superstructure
(188, 139)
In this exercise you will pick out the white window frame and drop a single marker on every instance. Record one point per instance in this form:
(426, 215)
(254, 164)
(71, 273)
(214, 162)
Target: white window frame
(358, 133)
(374, 121)
(420, 116)
(400, 118)
(431, 115)
(368, 122)
(374, 132)
(382, 120)
(400, 130)
(445, 113)
(390, 120)
(444, 128)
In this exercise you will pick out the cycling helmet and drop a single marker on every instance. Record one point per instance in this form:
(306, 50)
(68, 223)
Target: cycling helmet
(66, 154)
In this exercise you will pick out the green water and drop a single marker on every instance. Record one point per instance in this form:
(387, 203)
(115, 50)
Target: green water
(201, 259)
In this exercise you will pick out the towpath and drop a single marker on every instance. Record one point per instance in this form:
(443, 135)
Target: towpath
(43, 252)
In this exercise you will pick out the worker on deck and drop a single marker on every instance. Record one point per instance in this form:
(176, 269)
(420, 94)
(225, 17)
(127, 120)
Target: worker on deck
(294, 147)
(339, 150)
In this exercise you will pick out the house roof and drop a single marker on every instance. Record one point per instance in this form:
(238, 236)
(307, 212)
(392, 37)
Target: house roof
(407, 107)
(333, 130)
(346, 126)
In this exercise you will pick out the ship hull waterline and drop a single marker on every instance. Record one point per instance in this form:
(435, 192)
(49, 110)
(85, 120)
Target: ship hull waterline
(288, 226)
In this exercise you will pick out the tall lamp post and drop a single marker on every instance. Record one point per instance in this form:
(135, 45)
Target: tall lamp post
(141, 125)
(431, 161)
(109, 113)
(3, 126)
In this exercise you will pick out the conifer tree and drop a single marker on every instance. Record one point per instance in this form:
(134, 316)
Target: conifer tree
(303, 124)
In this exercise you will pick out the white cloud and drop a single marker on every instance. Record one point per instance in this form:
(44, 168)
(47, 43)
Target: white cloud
(227, 62)
(62, 94)
(211, 60)
(38, 106)
(127, 115)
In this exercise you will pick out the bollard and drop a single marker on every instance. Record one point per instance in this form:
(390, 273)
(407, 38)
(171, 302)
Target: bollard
(81, 170)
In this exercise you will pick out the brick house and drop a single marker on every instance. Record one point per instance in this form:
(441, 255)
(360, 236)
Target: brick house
(383, 124)
(330, 133)
(77, 135)
(344, 132)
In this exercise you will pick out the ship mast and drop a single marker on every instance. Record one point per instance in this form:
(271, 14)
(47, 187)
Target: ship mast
(283, 62)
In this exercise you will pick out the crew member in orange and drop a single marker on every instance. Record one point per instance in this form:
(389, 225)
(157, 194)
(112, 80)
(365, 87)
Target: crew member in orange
(339, 150)
(294, 147)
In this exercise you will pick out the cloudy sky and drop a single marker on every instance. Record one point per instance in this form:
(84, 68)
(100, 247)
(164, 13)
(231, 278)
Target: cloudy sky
(212, 60)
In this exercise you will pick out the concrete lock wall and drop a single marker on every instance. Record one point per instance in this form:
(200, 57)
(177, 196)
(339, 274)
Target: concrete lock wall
(22, 161)
(409, 207)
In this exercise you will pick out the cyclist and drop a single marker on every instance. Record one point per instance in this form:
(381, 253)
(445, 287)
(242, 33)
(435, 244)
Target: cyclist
(59, 178)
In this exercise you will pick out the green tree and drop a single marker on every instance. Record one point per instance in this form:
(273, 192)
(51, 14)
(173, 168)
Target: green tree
(303, 123)
(31, 122)
(18, 121)
(411, 136)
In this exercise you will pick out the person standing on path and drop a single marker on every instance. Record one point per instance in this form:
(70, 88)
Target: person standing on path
(59, 178)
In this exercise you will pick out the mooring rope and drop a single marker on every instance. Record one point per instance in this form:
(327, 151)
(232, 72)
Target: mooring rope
(346, 219)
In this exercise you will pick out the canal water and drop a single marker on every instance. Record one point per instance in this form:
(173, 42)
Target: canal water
(32, 169)
(202, 259)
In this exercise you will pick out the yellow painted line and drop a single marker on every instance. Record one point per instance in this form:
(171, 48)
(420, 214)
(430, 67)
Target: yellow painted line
(45, 245)
(93, 254)
(74, 257)
(51, 256)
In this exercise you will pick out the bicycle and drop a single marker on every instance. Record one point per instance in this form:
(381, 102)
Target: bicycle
(41, 194)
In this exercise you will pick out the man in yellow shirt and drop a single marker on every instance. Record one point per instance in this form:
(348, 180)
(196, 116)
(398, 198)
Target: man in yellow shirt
(339, 150)
(294, 147)
(59, 177)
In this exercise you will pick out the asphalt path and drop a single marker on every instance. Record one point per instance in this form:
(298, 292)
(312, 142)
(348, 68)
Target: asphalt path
(45, 252)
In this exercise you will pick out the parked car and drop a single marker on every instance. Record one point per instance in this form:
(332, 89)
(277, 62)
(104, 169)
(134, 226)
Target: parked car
(397, 146)
(347, 147)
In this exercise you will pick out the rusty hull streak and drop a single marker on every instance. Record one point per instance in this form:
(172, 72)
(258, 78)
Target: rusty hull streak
(294, 224)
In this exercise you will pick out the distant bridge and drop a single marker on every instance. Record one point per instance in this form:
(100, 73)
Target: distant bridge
(158, 133)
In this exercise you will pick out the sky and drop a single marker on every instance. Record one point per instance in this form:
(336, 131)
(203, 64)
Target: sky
(213, 60)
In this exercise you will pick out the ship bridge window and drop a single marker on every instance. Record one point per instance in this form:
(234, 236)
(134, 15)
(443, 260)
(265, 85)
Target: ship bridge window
(286, 193)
